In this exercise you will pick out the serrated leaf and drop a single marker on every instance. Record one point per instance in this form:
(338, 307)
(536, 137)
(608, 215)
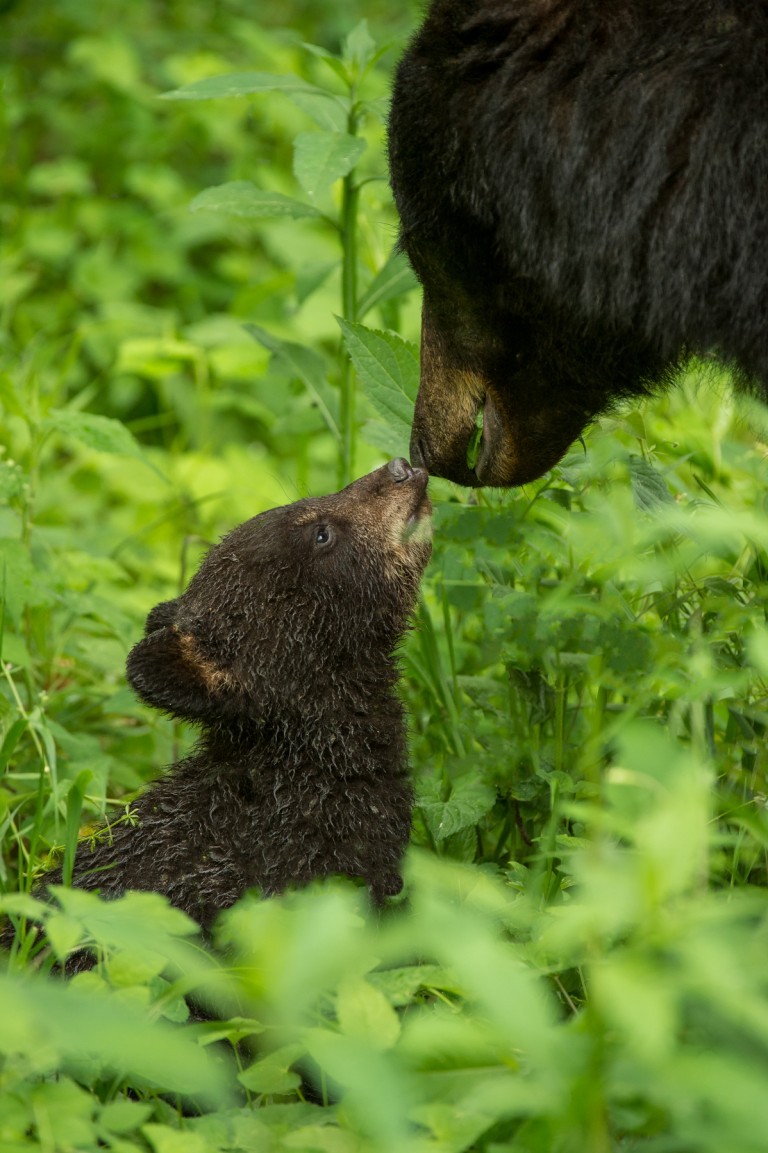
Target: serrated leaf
(21, 584)
(648, 485)
(385, 438)
(394, 278)
(321, 158)
(330, 112)
(241, 198)
(468, 802)
(388, 367)
(240, 84)
(364, 1012)
(401, 985)
(101, 433)
(306, 365)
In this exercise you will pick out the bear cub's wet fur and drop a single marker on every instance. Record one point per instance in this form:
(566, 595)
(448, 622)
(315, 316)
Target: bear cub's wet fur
(282, 649)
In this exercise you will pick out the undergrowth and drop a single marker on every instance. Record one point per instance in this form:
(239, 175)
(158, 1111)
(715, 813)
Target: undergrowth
(203, 316)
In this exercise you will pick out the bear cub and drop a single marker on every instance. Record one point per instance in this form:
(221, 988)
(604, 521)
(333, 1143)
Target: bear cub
(282, 649)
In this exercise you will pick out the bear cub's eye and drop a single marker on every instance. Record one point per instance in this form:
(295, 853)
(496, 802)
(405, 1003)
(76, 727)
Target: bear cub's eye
(324, 535)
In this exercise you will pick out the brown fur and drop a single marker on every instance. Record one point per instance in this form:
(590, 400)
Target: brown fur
(282, 650)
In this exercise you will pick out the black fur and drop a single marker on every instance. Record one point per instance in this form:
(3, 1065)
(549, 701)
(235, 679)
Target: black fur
(282, 649)
(582, 190)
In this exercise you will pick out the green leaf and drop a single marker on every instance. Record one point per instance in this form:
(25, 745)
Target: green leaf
(311, 276)
(14, 1122)
(163, 1139)
(394, 278)
(365, 1013)
(378, 108)
(76, 1024)
(389, 372)
(359, 46)
(757, 648)
(321, 158)
(22, 905)
(240, 84)
(385, 438)
(101, 433)
(123, 1116)
(648, 485)
(129, 967)
(75, 797)
(21, 583)
(469, 800)
(11, 739)
(322, 1139)
(330, 112)
(241, 198)
(334, 63)
(135, 921)
(378, 1088)
(273, 1074)
(454, 1129)
(307, 366)
(10, 399)
(234, 1029)
(67, 1106)
(64, 933)
(401, 985)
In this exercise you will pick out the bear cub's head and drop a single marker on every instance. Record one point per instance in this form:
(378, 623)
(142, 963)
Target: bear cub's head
(292, 606)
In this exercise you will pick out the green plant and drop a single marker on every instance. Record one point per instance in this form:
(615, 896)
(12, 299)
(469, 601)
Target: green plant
(579, 965)
(330, 154)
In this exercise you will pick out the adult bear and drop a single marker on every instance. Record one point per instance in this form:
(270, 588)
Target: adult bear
(583, 190)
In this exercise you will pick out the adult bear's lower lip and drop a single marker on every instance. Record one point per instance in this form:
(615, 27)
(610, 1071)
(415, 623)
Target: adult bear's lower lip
(518, 447)
(491, 468)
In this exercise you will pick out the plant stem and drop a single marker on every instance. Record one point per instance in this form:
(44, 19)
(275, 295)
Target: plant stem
(350, 195)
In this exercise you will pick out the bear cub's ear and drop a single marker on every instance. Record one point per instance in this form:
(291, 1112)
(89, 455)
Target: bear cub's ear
(168, 670)
(161, 615)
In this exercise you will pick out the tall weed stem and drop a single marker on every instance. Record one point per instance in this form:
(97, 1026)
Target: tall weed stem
(350, 196)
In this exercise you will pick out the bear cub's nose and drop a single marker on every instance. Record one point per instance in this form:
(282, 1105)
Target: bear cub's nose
(400, 469)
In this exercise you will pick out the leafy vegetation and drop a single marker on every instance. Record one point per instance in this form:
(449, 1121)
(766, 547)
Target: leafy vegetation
(202, 317)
